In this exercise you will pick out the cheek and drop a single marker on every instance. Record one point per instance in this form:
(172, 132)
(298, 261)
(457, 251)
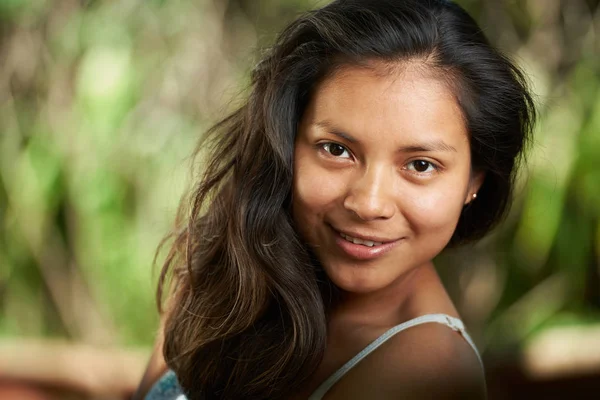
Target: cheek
(435, 211)
(315, 191)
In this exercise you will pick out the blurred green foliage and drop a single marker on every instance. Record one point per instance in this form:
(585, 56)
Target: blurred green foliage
(101, 102)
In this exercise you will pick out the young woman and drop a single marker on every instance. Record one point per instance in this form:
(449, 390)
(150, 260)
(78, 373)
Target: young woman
(377, 133)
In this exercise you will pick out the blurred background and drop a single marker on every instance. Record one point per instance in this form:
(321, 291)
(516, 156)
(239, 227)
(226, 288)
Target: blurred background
(101, 103)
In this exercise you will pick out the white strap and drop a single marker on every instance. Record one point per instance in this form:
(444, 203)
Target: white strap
(454, 323)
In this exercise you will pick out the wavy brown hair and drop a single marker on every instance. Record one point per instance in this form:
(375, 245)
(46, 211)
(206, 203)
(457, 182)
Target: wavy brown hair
(247, 314)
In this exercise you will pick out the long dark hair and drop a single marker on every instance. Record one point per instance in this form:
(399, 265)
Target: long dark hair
(247, 315)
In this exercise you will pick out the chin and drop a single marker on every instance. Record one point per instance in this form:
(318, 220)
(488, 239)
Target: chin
(357, 279)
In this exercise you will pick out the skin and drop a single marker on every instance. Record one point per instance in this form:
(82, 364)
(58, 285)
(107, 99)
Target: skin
(156, 367)
(384, 153)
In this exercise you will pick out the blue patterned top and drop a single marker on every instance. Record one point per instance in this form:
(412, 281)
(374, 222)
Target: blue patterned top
(166, 388)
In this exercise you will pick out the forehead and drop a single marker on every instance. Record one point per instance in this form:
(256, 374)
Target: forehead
(407, 102)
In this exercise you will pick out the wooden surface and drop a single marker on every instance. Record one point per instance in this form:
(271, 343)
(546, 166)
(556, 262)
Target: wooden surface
(90, 372)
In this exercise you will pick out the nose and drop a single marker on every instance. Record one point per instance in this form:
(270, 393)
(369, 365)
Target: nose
(370, 196)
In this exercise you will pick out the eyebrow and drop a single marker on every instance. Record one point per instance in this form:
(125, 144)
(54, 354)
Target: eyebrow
(435, 145)
(335, 131)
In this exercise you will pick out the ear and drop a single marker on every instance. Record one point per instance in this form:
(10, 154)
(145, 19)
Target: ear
(477, 178)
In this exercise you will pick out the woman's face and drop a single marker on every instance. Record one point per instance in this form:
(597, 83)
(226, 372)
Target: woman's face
(382, 170)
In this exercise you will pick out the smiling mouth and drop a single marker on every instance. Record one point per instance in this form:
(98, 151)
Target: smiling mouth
(363, 248)
(368, 243)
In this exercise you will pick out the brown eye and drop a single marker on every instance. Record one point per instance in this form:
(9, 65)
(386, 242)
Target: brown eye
(336, 150)
(421, 166)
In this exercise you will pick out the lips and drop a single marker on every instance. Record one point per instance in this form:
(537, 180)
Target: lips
(363, 247)
(354, 240)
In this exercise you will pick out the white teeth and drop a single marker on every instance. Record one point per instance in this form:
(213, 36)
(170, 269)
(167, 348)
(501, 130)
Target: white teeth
(368, 243)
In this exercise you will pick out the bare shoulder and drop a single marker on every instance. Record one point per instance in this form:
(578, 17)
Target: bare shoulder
(435, 361)
(428, 361)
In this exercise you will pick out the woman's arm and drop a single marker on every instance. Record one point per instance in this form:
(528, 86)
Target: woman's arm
(156, 366)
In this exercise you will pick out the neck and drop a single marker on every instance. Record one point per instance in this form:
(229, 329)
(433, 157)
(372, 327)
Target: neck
(387, 306)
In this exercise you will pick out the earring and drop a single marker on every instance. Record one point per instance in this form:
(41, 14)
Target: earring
(474, 196)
